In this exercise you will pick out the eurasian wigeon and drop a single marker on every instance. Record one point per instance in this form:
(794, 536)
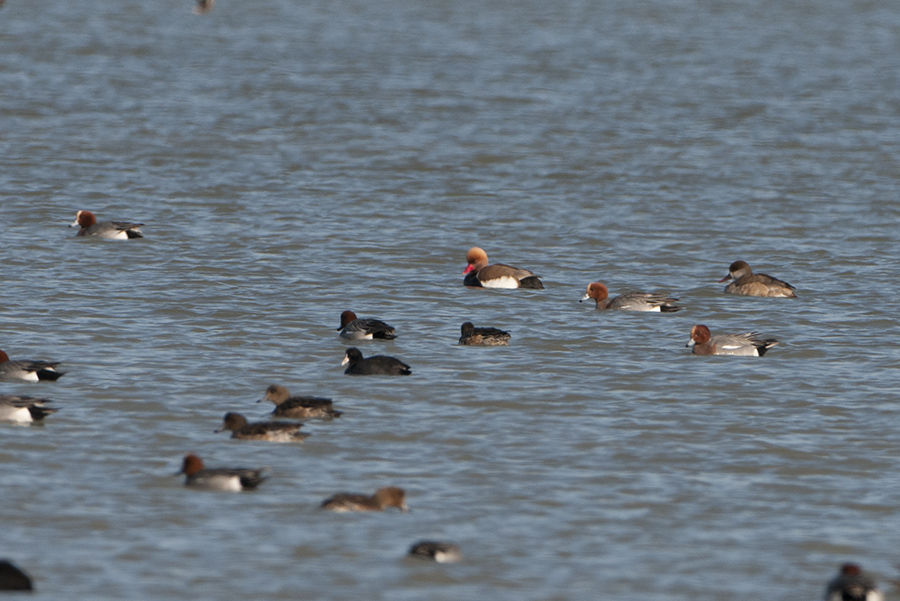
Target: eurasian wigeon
(204, 6)
(113, 230)
(219, 479)
(629, 301)
(487, 336)
(271, 431)
(354, 328)
(389, 496)
(852, 584)
(27, 369)
(481, 275)
(748, 344)
(436, 551)
(23, 409)
(303, 407)
(747, 283)
(12, 578)
(376, 365)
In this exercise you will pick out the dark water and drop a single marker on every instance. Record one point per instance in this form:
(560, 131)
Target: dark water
(292, 160)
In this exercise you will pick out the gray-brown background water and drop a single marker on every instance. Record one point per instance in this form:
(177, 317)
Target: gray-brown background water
(295, 159)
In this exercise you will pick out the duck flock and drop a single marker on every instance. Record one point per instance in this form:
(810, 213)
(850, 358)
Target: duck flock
(850, 584)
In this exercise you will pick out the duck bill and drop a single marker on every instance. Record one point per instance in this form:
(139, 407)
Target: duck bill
(469, 268)
(345, 360)
(584, 298)
(690, 343)
(74, 224)
(725, 279)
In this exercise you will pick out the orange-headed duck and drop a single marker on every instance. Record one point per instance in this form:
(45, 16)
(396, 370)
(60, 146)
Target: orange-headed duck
(219, 479)
(23, 409)
(271, 431)
(389, 496)
(747, 283)
(113, 230)
(27, 369)
(748, 344)
(481, 275)
(436, 551)
(354, 328)
(473, 336)
(852, 584)
(302, 407)
(629, 301)
(376, 365)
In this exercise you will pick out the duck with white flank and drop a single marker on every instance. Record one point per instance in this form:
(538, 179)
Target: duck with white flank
(436, 551)
(852, 584)
(28, 369)
(219, 479)
(112, 230)
(629, 301)
(747, 344)
(23, 409)
(480, 274)
(354, 328)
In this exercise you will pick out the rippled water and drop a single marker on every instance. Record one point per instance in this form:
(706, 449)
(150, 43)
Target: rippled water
(292, 160)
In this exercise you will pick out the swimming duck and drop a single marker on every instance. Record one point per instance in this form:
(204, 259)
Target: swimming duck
(436, 551)
(354, 328)
(480, 274)
(852, 584)
(747, 283)
(23, 409)
(389, 496)
(748, 344)
(113, 230)
(302, 407)
(219, 479)
(487, 336)
(272, 431)
(629, 301)
(28, 370)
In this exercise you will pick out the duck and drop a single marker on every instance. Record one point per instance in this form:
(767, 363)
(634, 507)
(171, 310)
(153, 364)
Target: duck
(375, 365)
(12, 578)
(354, 328)
(219, 479)
(272, 431)
(486, 336)
(204, 6)
(436, 551)
(747, 344)
(28, 369)
(852, 584)
(629, 301)
(389, 496)
(480, 274)
(747, 283)
(303, 407)
(111, 230)
(23, 409)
